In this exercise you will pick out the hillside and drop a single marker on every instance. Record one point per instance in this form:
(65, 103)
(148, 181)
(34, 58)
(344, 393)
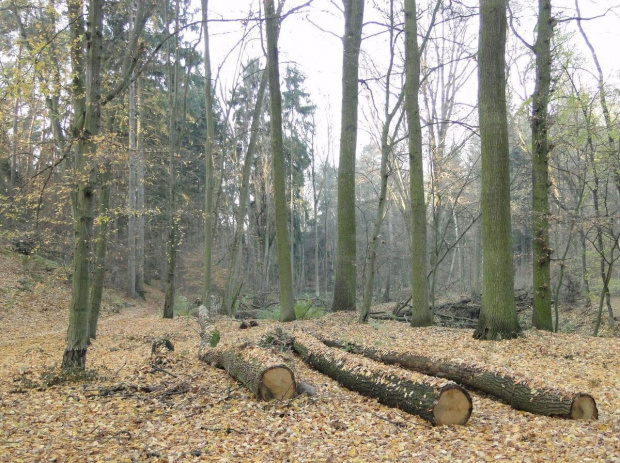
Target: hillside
(167, 406)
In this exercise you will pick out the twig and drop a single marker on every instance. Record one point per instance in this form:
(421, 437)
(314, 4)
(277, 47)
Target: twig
(155, 367)
(398, 424)
(227, 430)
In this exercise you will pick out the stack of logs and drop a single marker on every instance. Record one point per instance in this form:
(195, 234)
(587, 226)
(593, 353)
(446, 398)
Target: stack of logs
(436, 392)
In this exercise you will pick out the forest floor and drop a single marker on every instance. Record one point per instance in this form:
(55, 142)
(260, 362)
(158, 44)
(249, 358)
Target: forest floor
(140, 406)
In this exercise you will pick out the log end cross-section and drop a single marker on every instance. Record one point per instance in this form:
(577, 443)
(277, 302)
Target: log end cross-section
(584, 408)
(453, 407)
(276, 382)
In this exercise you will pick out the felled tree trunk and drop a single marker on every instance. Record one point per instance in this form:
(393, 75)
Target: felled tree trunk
(256, 369)
(436, 402)
(518, 395)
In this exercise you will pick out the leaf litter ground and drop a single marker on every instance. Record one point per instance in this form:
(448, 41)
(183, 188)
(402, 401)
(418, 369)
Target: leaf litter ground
(168, 406)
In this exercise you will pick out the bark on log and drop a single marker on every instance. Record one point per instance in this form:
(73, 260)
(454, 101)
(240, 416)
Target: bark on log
(445, 404)
(256, 369)
(555, 403)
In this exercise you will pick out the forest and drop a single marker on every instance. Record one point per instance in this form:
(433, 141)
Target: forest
(309, 230)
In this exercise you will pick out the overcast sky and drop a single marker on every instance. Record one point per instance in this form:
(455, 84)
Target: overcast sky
(308, 39)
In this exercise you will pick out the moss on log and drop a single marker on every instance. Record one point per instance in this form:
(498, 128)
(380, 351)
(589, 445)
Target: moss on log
(556, 403)
(435, 401)
(255, 368)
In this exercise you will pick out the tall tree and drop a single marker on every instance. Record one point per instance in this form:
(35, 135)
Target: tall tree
(285, 273)
(421, 315)
(173, 137)
(498, 316)
(86, 123)
(346, 268)
(386, 148)
(209, 142)
(541, 258)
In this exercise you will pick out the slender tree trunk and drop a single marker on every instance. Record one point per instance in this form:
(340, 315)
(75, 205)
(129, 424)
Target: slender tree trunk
(498, 316)
(140, 275)
(541, 259)
(421, 315)
(315, 204)
(100, 250)
(233, 277)
(209, 143)
(287, 312)
(87, 117)
(173, 79)
(346, 264)
(131, 203)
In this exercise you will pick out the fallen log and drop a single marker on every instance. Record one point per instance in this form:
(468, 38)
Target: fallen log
(518, 395)
(257, 369)
(435, 401)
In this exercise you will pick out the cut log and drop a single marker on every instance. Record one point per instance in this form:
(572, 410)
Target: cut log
(255, 368)
(435, 401)
(518, 395)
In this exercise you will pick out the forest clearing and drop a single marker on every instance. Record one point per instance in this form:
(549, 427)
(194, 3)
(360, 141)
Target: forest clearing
(170, 406)
(425, 195)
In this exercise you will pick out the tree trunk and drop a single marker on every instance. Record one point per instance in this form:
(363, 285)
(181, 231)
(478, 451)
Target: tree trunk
(287, 311)
(209, 144)
(132, 200)
(233, 276)
(421, 315)
(173, 98)
(140, 275)
(100, 250)
(510, 390)
(541, 261)
(86, 122)
(263, 374)
(498, 317)
(346, 264)
(438, 402)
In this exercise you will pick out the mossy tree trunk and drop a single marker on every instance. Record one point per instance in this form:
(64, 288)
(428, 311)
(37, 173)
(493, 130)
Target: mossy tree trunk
(444, 403)
(421, 314)
(517, 394)
(287, 311)
(498, 316)
(105, 176)
(541, 258)
(346, 265)
(86, 122)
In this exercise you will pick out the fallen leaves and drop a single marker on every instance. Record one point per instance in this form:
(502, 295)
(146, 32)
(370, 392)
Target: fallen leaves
(200, 414)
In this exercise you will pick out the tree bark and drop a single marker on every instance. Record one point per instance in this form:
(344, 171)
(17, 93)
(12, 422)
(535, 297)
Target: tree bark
(261, 373)
(518, 395)
(140, 271)
(209, 144)
(287, 311)
(421, 315)
(173, 98)
(498, 317)
(442, 404)
(541, 259)
(86, 122)
(100, 250)
(346, 264)
(131, 196)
